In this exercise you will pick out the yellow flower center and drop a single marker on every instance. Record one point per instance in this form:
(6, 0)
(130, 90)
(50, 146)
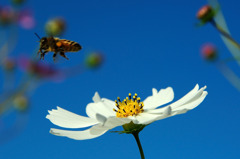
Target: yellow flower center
(129, 106)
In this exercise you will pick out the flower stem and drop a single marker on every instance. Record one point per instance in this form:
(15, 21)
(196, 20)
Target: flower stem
(229, 74)
(225, 34)
(139, 144)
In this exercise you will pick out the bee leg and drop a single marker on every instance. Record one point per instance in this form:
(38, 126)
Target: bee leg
(39, 51)
(54, 56)
(42, 55)
(63, 55)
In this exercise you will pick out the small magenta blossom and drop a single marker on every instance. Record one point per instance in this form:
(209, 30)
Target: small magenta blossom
(38, 68)
(18, 2)
(131, 113)
(9, 64)
(209, 52)
(7, 15)
(26, 19)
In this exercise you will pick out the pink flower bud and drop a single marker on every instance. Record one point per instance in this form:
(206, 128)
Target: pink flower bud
(9, 64)
(38, 68)
(7, 15)
(209, 52)
(205, 14)
(26, 19)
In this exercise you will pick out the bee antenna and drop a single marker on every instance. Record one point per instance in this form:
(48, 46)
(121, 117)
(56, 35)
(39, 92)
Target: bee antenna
(37, 36)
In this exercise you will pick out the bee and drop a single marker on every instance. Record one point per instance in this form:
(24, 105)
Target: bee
(56, 46)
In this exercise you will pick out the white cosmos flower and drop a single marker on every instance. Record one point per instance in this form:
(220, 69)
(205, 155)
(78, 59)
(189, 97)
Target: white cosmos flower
(104, 114)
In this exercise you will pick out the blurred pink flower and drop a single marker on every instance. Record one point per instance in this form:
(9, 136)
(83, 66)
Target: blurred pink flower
(18, 2)
(39, 69)
(7, 15)
(9, 64)
(209, 52)
(26, 19)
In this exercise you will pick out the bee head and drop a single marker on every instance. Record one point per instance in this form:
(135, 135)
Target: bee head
(44, 43)
(43, 40)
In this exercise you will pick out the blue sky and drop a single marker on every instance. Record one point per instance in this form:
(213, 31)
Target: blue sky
(146, 44)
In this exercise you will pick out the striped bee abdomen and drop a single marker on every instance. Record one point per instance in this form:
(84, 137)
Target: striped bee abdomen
(77, 46)
(70, 46)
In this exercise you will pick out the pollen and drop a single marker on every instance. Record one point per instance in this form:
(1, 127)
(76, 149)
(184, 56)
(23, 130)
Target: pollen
(59, 44)
(130, 106)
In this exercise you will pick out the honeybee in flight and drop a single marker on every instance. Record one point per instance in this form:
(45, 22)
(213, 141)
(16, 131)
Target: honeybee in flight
(56, 46)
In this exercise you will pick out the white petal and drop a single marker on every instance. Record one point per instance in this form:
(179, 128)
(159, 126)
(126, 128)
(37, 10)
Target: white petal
(197, 95)
(99, 108)
(190, 105)
(109, 104)
(191, 96)
(102, 119)
(188, 102)
(67, 119)
(90, 133)
(187, 97)
(145, 118)
(154, 91)
(158, 98)
(96, 98)
(160, 113)
(115, 121)
(167, 112)
(159, 110)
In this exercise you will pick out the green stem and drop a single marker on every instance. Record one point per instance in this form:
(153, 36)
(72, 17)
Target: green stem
(139, 144)
(229, 75)
(9, 44)
(225, 34)
(5, 104)
(231, 59)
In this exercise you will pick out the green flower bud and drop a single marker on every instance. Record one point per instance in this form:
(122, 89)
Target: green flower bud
(55, 27)
(205, 14)
(94, 60)
(21, 103)
(18, 2)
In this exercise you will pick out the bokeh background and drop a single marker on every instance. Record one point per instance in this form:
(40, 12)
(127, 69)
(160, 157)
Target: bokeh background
(145, 44)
